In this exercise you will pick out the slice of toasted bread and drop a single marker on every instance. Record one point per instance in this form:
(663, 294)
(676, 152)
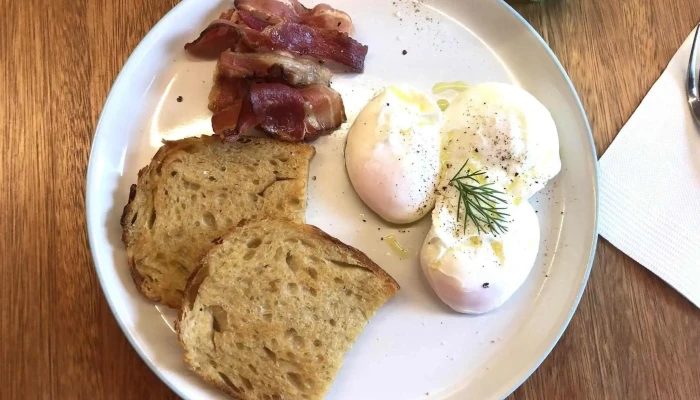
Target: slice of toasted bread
(196, 189)
(274, 306)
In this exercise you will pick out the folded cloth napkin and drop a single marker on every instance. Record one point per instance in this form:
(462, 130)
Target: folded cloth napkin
(650, 183)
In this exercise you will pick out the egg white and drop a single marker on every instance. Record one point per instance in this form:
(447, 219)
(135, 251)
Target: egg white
(392, 154)
(503, 131)
(506, 131)
(480, 273)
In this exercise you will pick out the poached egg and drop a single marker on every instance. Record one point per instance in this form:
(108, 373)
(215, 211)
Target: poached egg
(480, 273)
(402, 154)
(506, 133)
(392, 154)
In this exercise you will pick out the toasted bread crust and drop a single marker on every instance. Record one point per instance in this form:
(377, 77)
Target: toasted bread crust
(146, 196)
(389, 286)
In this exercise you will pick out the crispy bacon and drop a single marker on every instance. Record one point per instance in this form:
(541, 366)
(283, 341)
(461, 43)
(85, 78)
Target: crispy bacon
(229, 14)
(326, 17)
(294, 101)
(296, 38)
(231, 85)
(227, 91)
(213, 40)
(247, 119)
(226, 100)
(322, 16)
(252, 21)
(225, 122)
(279, 110)
(272, 67)
(318, 43)
(324, 110)
(296, 114)
(288, 113)
(224, 34)
(273, 11)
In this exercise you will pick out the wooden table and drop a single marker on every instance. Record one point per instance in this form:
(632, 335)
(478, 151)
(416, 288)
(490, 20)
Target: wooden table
(633, 337)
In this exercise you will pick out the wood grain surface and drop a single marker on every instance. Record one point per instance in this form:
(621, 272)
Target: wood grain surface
(633, 337)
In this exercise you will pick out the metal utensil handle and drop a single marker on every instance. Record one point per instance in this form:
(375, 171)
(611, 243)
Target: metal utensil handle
(692, 67)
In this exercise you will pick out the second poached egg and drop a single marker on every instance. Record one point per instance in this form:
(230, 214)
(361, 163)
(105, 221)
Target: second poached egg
(506, 131)
(508, 136)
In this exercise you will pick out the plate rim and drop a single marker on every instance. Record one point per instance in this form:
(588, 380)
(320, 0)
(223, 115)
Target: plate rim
(150, 39)
(596, 197)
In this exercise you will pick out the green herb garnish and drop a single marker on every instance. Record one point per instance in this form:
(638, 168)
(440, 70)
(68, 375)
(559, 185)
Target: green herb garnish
(480, 202)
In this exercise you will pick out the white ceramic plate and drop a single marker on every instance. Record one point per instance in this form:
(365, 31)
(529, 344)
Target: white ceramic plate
(415, 347)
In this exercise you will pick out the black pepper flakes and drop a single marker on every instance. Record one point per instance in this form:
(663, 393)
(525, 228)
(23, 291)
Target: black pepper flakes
(313, 177)
(179, 99)
(404, 52)
(485, 285)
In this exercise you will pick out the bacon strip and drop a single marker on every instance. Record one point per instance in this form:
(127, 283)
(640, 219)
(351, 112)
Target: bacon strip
(229, 14)
(326, 17)
(296, 38)
(318, 43)
(225, 121)
(324, 110)
(279, 110)
(213, 40)
(295, 72)
(296, 114)
(272, 11)
(253, 21)
(226, 92)
(322, 16)
(288, 113)
(226, 100)
(224, 34)
(295, 102)
(247, 119)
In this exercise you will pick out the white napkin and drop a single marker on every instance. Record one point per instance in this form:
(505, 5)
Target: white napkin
(650, 183)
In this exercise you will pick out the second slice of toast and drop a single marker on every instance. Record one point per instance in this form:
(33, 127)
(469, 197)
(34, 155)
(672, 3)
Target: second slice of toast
(273, 308)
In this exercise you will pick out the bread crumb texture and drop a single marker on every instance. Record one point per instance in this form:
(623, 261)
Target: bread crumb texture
(194, 191)
(272, 309)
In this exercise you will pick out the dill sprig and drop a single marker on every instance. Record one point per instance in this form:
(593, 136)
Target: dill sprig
(480, 202)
